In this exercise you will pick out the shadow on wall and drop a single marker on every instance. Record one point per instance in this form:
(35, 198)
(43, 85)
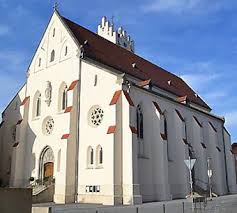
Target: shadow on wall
(16, 151)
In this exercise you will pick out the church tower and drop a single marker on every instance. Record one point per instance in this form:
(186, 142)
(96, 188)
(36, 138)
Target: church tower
(119, 37)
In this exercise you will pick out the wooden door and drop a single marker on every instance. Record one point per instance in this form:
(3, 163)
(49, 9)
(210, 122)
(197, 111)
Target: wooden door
(48, 170)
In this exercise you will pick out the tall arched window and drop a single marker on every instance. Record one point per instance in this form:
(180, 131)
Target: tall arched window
(165, 126)
(37, 105)
(99, 155)
(139, 122)
(52, 56)
(62, 97)
(90, 156)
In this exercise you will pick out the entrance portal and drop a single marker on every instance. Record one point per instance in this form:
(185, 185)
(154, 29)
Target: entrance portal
(46, 167)
(48, 170)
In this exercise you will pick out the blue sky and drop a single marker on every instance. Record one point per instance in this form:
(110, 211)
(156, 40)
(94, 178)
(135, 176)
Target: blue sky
(195, 39)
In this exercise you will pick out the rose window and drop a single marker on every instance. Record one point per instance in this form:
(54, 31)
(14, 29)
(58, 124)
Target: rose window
(48, 126)
(96, 115)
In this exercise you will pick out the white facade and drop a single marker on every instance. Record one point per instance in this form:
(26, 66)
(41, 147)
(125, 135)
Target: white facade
(57, 135)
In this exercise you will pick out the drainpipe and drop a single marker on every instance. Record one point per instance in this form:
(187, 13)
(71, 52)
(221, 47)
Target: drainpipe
(226, 174)
(78, 130)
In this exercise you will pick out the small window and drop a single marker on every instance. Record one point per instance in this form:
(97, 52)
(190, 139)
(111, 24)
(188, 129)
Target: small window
(99, 155)
(38, 106)
(66, 51)
(90, 156)
(184, 130)
(52, 56)
(54, 32)
(163, 127)
(139, 122)
(95, 80)
(64, 99)
(39, 62)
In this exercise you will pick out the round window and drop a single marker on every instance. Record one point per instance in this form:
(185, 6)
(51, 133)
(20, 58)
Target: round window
(96, 115)
(48, 126)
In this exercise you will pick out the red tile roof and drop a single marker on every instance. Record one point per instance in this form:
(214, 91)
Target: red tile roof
(19, 122)
(182, 99)
(15, 144)
(73, 84)
(180, 116)
(212, 126)
(65, 136)
(128, 97)
(198, 122)
(163, 136)
(108, 53)
(144, 83)
(68, 109)
(111, 129)
(133, 129)
(115, 97)
(158, 107)
(25, 100)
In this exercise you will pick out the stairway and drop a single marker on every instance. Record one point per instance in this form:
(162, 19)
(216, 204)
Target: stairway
(43, 194)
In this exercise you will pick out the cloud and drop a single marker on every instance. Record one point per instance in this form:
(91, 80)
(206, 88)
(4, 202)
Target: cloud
(175, 6)
(4, 30)
(231, 119)
(188, 6)
(200, 81)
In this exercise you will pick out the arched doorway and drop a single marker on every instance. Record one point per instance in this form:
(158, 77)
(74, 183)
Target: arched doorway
(46, 165)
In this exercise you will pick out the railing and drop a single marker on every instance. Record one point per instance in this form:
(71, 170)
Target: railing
(41, 185)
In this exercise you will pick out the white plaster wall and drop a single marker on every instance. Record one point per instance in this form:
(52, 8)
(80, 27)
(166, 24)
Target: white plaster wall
(100, 95)
(231, 174)
(178, 173)
(11, 116)
(200, 153)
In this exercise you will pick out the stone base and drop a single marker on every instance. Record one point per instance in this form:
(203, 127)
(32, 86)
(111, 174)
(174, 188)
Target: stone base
(62, 199)
(132, 200)
(100, 199)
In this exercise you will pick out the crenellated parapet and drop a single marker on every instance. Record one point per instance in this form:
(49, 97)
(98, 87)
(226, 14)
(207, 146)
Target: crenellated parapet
(120, 37)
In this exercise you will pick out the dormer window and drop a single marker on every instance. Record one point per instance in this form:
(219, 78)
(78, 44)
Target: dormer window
(52, 56)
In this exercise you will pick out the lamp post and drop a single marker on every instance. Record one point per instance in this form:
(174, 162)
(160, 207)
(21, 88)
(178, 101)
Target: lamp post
(209, 173)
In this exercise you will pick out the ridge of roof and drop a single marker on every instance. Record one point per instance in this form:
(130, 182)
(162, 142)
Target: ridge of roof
(108, 53)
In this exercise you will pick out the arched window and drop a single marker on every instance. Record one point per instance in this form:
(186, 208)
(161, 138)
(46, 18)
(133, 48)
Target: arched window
(37, 105)
(54, 32)
(165, 126)
(90, 156)
(99, 155)
(66, 51)
(62, 97)
(139, 122)
(52, 56)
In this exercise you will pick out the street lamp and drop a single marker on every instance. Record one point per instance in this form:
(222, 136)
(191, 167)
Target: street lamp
(209, 173)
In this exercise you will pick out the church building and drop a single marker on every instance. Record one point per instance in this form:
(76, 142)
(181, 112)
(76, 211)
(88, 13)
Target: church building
(96, 123)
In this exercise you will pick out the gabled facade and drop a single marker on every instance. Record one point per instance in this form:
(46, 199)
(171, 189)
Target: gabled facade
(108, 126)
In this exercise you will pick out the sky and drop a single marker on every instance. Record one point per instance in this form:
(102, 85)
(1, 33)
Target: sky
(195, 39)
